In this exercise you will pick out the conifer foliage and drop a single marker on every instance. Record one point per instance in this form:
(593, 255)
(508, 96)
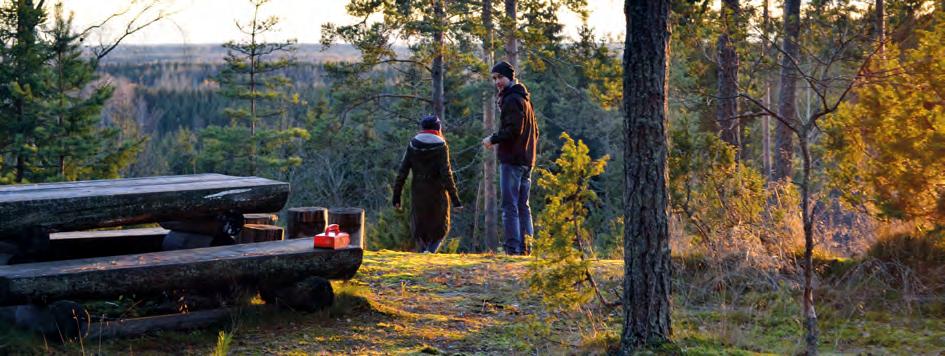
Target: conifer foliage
(52, 102)
(888, 146)
(560, 269)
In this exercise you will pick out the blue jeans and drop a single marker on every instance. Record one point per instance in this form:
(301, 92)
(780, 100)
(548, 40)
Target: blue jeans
(515, 183)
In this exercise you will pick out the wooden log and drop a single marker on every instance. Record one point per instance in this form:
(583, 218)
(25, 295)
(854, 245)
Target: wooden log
(309, 294)
(306, 221)
(8, 250)
(62, 320)
(136, 326)
(351, 220)
(263, 219)
(203, 269)
(86, 244)
(177, 240)
(260, 233)
(85, 205)
(221, 225)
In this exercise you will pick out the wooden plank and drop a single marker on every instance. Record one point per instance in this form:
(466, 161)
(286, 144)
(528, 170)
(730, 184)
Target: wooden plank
(93, 204)
(213, 268)
(107, 234)
(137, 326)
(87, 244)
(113, 183)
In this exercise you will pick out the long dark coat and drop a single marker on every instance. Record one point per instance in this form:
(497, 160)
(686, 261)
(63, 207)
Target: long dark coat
(432, 189)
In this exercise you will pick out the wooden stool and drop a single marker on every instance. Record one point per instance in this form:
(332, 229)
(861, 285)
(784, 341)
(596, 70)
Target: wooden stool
(306, 221)
(351, 220)
(260, 233)
(263, 219)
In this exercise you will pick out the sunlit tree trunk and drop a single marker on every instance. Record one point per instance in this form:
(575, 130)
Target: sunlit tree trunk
(647, 265)
(511, 44)
(727, 101)
(787, 106)
(488, 125)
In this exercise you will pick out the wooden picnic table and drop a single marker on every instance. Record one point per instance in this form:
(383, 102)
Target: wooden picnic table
(70, 206)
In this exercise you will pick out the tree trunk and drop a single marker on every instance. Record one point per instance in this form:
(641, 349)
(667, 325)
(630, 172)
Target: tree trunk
(253, 58)
(787, 107)
(511, 46)
(766, 119)
(727, 104)
(647, 262)
(488, 125)
(881, 26)
(439, 107)
(810, 316)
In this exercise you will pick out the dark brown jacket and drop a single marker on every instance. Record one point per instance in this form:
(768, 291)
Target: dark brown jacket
(432, 187)
(518, 131)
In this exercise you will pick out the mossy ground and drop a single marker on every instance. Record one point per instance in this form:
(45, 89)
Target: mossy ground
(406, 303)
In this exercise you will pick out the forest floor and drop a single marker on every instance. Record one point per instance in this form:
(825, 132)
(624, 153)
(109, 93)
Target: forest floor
(406, 303)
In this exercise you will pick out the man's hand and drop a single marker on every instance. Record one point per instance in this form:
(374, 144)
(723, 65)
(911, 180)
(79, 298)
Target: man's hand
(487, 142)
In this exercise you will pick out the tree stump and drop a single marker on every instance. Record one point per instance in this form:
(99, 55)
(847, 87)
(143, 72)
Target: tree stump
(309, 294)
(263, 219)
(260, 233)
(306, 221)
(350, 220)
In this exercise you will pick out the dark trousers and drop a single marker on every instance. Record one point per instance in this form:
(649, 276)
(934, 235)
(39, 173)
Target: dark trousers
(515, 183)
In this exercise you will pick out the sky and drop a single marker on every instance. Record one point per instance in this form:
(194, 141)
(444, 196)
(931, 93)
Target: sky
(212, 21)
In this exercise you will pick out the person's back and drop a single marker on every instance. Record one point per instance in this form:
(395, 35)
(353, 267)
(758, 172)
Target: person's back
(433, 188)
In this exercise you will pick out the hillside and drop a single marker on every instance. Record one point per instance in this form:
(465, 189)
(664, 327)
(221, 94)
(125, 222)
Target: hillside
(475, 304)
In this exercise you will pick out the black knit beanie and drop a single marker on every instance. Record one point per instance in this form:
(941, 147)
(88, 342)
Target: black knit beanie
(505, 69)
(430, 122)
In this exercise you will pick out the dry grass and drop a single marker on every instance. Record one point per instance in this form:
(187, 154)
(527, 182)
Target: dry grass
(406, 303)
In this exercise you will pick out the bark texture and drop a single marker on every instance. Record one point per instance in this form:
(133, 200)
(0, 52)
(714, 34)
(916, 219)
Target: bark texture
(787, 105)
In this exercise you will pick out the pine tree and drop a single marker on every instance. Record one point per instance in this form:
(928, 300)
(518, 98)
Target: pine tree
(23, 86)
(78, 147)
(887, 148)
(560, 271)
(257, 134)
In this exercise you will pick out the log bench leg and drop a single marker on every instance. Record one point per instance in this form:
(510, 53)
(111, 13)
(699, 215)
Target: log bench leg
(221, 230)
(28, 245)
(62, 320)
(309, 294)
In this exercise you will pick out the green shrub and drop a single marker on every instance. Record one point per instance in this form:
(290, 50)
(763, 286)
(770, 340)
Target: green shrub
(559, 271)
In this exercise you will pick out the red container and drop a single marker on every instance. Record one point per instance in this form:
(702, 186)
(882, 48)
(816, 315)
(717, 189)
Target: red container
(332, 238)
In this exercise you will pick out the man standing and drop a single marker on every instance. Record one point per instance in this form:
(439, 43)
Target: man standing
(518, 140)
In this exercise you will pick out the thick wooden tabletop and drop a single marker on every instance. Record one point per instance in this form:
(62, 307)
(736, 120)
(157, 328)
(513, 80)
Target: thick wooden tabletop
(71, 206)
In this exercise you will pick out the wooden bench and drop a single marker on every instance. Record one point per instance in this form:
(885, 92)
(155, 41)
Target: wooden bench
(273, 263)
(40, 221)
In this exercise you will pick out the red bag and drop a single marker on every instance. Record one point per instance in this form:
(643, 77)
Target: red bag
(332, 238)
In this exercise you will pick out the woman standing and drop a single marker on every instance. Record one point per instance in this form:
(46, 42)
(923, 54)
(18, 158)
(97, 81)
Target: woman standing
(432, 186)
